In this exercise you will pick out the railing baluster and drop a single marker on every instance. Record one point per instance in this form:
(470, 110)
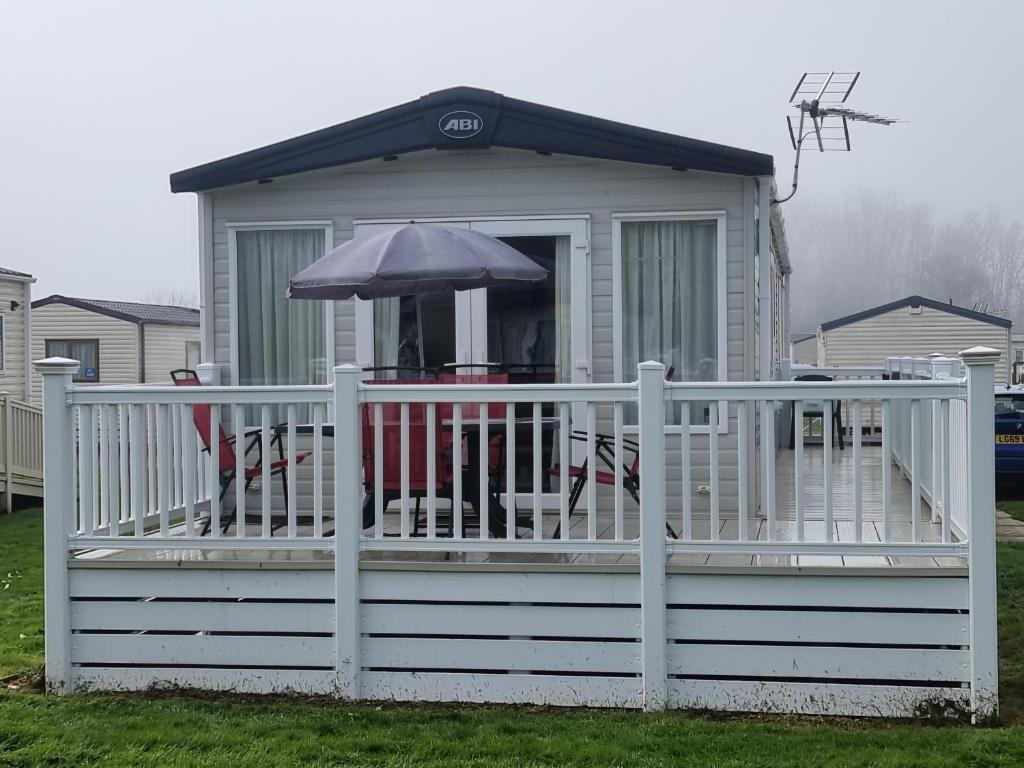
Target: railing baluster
(163, 479)
(886, 471)
(592, 471)
(103, 467)
(484, 480)
(915, 469)
(510, 471)
(457, 473)
(151, 455)
(685, 461)
(292, 497)
(318, 470)
(241, 442)
(798, 465)
(743, 440)
(216, 478)
(946, 468)
(188, 460)
(403, 523)
(124, 508)
(137, 459)
(768, 451)
(858, 506)
(565, 479)
(267, 459)
(177, 496)
(87, 502)
(716, 522)
(431, 416)
(538, 512)
(378, 471)
(826, 437)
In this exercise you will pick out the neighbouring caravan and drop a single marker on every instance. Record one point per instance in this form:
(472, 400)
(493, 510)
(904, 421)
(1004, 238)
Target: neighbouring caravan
(912, 327)
(118, 342)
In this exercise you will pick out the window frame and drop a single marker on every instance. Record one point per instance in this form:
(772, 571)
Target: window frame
(721, 300)
(233, 228)
(78, 378)
(199, 356)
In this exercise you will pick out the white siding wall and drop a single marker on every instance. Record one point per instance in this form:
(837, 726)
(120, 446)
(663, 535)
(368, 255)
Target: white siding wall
(919, 333)
(165, 350)
(119, 341)
(12, 375)
(504, 183)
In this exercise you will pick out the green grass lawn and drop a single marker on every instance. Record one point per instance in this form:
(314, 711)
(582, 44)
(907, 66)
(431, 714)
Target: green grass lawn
(1012, 508)
(187, 730)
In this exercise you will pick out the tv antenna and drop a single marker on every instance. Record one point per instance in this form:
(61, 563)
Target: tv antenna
(819, 97)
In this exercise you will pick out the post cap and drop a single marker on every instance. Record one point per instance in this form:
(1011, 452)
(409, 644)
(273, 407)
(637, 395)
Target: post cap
(980, 356)
(57, 365)
(347, 368)
(651, 364)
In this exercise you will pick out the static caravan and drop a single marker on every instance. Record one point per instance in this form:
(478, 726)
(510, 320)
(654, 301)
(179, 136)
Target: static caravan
(803, 348)
(117, 342)
(657, 247)
(15, 329)
(912, 327)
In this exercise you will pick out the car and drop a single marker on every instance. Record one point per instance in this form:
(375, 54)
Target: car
(1009, 446)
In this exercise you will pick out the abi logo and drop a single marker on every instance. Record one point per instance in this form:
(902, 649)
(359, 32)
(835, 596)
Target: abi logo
(460, 124)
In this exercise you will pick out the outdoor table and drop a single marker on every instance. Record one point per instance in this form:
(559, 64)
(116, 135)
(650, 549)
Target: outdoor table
(496, 513)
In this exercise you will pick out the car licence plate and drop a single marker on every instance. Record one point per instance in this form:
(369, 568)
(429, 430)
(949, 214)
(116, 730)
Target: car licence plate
(1010, 439)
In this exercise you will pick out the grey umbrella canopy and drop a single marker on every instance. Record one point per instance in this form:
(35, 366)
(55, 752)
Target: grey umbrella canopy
(413, 259)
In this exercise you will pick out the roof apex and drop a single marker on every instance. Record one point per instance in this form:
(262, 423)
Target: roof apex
(492, 120)
(917, 301)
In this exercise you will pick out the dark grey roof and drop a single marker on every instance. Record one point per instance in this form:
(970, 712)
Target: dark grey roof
(13, 272)
(504, 122)
(131, 311)
(796, 338)
(917, 301)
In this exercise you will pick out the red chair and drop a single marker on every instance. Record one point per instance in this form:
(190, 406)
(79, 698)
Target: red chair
(202, 418)
(471, 412)
(391, 460)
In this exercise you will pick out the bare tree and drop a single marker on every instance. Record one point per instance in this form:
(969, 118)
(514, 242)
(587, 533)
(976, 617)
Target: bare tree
(174, 296)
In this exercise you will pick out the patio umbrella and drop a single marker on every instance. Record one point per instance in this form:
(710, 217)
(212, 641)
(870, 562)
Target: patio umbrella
(413, 259)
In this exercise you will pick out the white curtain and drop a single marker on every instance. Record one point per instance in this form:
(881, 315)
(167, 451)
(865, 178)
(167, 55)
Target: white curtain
(280, 340)
(563, 313)
(385, 330)
(670, 298)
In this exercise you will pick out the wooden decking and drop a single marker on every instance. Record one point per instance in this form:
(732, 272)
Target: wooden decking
(785, 527)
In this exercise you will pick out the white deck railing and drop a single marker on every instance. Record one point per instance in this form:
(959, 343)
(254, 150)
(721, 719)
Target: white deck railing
(137, 474)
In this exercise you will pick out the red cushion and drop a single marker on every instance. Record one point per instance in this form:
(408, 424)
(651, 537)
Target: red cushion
(276, 465)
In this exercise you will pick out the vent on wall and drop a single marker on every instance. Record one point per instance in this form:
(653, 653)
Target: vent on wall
(915, 309)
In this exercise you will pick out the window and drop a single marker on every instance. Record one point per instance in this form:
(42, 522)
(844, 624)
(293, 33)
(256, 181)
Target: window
(1018, 355)
(192, 355)
(85, 351)
(671, 302)
(277, 340)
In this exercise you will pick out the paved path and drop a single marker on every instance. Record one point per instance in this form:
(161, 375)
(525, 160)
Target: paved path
(1008, 528)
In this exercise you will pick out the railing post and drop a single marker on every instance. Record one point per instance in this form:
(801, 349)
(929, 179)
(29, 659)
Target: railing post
(654, 631)
(208, 373)
(8, 457)
(347, 528)
(58, 513)
(980, 362)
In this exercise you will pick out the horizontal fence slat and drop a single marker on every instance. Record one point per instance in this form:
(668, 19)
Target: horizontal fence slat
(562, 587)
(841, 591)
(500, 620)
(252, 617)
(556, 656)
(918, 664)
(203, 650)
(549, 690)
(144, 582)
(731, 625)
(810, 698)
(291, 681)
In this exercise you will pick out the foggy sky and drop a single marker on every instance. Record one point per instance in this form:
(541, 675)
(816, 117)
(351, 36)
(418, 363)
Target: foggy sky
(102, 100)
